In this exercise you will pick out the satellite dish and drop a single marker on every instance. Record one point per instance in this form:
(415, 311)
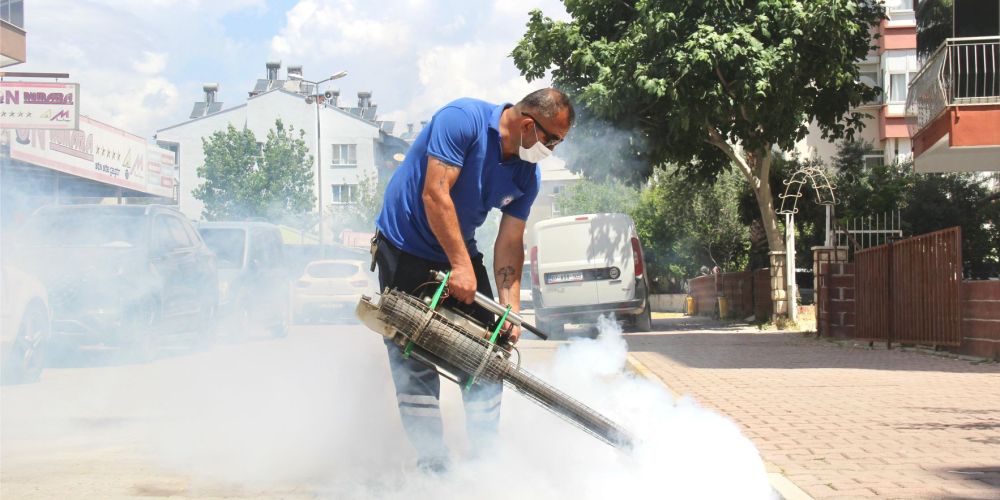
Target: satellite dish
(399, 157)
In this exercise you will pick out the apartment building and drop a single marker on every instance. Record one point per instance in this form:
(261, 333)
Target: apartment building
(352, 143)
(13, 37)
(892, 65)
(955, 98)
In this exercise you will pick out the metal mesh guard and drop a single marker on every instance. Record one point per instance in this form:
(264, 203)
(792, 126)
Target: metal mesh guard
(466, 352)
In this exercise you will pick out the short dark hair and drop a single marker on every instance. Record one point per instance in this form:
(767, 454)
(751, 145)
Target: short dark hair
(547, 102)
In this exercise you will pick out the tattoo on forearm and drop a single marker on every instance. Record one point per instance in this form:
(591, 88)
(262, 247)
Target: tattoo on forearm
(505, 275)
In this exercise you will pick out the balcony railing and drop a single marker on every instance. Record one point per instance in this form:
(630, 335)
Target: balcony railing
(962, 71)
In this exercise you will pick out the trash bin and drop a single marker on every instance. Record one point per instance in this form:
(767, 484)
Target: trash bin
(723, 307)
(690, 306)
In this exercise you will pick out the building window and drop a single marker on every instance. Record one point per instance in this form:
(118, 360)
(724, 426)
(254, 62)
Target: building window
(870, 78)
(556, 211)
(897, 87)
(344, 156)
(875, 159)
(897, 5)
(557, 189)
(344, 194)
(12, 11)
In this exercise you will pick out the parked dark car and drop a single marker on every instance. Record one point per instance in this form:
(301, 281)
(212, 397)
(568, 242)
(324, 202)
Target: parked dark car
(253, 277)
(121, 275)
(24, 326)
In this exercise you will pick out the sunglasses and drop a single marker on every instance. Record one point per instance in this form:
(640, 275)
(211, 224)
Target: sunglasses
(553, 140)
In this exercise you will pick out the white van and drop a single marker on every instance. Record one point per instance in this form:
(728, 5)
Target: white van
(586, 265)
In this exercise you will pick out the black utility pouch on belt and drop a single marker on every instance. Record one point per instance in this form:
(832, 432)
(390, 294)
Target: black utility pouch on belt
(374, 249)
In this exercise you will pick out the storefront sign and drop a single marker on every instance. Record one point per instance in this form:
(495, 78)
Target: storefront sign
(39, 105)
(99, 152)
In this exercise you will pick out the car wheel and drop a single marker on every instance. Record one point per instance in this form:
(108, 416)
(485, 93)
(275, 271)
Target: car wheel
(26, 358)
(280, 330)
(206, 329)
(644, 320)
(554, 329)
(141, 332)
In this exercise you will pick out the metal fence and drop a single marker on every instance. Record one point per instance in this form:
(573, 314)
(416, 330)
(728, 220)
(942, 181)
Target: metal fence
(865, 232)
(910, 291)
(962, 71)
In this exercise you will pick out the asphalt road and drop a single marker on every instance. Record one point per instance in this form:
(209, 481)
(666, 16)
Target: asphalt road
(261, 418)
(313, 415)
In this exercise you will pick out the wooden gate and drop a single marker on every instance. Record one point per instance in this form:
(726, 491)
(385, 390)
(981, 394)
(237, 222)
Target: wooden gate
(910, 291)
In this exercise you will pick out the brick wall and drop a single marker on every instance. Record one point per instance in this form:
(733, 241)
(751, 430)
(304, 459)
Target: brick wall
(762, 306)
(835, 304)
(705, 295)
(747, 293)
(738, 290)
(981, 319)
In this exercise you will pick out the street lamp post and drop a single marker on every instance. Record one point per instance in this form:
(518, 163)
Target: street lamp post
(317, 98)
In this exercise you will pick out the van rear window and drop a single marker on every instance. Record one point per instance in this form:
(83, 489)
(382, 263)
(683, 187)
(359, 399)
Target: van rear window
(594, 243)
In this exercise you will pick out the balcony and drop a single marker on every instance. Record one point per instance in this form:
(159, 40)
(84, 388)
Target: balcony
(12, 44)
(954, 104)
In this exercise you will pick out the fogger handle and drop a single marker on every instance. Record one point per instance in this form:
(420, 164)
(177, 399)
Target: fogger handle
(498, 309)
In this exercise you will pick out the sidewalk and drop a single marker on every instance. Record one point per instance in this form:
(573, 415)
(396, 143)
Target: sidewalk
(840, 422)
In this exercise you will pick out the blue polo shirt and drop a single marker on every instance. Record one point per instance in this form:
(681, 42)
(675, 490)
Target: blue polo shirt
(464, 133)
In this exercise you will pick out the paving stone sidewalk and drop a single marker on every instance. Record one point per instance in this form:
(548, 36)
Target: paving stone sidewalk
(840, 422)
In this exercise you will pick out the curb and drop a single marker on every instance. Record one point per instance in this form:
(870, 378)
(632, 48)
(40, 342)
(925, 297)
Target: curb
(784, 487)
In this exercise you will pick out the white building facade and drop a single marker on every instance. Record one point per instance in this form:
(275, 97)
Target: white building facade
(352, 145)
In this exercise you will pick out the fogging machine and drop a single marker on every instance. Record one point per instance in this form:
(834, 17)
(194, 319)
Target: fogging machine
(468, 352)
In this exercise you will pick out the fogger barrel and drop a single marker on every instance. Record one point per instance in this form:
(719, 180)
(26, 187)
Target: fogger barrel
(449, 344)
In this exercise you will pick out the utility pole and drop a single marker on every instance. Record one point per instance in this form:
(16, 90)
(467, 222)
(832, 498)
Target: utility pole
(318, 98)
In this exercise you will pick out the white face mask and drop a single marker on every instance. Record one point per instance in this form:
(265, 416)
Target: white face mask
(535, 153)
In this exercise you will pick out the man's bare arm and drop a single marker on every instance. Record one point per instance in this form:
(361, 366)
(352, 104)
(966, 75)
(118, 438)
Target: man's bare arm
(508, 260)
(443, 220)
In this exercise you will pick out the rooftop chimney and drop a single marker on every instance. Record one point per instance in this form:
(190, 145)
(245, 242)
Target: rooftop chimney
(210, 90)
(364, 99)
(272, 69)
(294, 70)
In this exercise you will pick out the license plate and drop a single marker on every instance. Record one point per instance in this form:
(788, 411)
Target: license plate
(554, 278)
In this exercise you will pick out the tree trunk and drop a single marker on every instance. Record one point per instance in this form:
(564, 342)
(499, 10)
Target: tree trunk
(756, 169)
(760, 165)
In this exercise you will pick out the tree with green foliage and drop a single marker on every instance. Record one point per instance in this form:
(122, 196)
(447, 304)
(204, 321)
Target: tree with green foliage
(934, 25)
(688, 225)
(926, 202)
(591, 197)
(361, 212)
(244, 179)
(714, 84)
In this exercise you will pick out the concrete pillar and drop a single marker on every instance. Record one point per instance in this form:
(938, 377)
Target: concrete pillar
(833, 257)
(823, 254)
(779, 290)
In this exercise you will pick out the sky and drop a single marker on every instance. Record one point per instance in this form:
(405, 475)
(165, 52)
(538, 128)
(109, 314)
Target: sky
(141, 64)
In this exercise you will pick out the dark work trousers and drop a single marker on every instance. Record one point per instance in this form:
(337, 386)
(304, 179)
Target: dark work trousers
(418, 385)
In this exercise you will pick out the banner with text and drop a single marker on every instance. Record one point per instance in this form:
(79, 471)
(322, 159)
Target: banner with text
(99, 152)
(40, 105)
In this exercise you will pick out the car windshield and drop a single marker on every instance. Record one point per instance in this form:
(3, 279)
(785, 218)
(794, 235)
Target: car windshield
(84, 228)
(331, 270)
(228, 245)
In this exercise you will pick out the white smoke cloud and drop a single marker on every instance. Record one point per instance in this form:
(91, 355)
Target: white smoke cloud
(334, 426)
